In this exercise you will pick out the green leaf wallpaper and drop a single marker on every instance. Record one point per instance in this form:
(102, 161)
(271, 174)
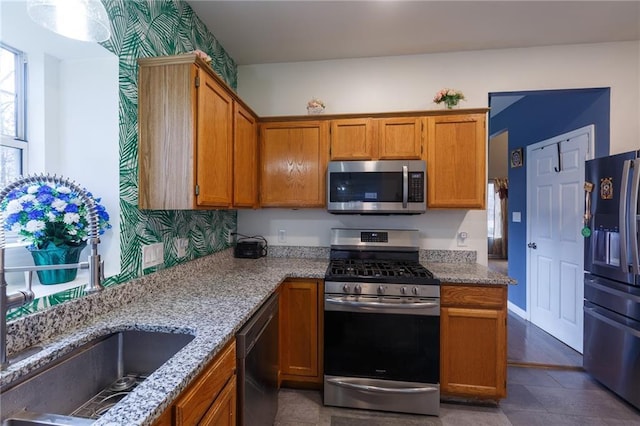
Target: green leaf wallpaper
(143, 28)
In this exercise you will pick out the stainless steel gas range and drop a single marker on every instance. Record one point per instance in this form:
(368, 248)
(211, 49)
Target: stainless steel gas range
(382, 324)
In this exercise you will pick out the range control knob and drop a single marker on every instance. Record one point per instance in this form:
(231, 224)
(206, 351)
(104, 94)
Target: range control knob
(357, 289)
(415, 291)
(345, 288)
(403, 290)
(381, 289)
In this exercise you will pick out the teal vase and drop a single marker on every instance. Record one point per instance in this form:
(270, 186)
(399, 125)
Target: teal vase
(57, 255)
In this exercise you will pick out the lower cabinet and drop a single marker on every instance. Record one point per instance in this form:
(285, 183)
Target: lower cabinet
(473, 341)
(211, 399)
(301, 332)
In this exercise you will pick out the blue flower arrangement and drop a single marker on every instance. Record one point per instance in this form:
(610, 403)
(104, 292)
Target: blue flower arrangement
(46, 213)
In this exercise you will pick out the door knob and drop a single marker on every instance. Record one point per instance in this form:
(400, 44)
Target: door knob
(532, 245)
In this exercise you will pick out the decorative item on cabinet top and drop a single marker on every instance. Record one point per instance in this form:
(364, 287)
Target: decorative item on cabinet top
(450, 97)
(315, 106)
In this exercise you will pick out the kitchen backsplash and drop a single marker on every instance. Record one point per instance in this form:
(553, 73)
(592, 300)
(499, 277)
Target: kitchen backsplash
(426, 255)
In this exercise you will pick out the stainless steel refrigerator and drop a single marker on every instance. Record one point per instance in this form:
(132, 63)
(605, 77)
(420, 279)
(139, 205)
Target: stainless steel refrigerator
(612, 274)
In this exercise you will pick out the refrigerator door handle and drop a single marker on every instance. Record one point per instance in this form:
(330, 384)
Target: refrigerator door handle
(624, 196)
(633, 218)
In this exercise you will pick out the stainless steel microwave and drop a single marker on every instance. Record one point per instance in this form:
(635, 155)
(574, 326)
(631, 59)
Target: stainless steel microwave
(377, 187)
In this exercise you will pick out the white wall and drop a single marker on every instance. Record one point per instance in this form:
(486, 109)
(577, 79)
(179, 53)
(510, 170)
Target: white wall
(89, 149)
(72, 122)
(409, 83)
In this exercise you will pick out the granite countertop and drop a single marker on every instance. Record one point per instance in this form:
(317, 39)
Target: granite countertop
(211, 298)
(467, 273)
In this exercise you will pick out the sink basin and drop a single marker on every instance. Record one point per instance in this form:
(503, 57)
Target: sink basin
(65, 385)
(35, 419)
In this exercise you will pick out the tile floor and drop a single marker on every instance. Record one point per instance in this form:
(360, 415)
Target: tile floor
(559, 396)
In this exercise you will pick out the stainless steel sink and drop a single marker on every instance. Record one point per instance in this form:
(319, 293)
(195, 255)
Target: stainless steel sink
(67, 384)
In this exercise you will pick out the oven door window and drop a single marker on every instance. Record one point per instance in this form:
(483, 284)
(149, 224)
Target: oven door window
(383, 346)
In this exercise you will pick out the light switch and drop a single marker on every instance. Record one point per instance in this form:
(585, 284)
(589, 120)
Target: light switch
(516, 217)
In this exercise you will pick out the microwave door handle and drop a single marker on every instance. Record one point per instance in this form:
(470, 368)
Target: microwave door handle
(622, 217)
(633, 218)
(405, 186)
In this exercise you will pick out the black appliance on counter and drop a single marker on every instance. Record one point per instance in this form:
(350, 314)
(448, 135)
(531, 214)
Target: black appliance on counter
(250, 247)
(612, 274)
(382, 323)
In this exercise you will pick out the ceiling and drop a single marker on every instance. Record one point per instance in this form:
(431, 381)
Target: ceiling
(257, 32)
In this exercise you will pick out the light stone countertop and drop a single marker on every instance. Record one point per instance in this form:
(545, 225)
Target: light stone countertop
(210, 297)
(467, 273)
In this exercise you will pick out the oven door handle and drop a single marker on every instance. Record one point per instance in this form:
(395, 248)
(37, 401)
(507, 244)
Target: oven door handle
(413, 305)
(370, 388)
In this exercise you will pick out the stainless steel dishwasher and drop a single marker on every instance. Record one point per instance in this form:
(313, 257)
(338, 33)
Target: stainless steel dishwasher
(258, 364)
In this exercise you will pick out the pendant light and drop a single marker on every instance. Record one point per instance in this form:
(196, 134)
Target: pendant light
(85, 20)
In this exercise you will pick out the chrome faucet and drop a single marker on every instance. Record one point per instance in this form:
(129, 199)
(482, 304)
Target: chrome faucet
(22, 297)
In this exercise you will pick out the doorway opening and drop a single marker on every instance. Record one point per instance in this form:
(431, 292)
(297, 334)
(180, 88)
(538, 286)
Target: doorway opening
(497, 199)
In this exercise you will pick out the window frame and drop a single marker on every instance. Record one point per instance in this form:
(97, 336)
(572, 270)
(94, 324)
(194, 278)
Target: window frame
(19, 141)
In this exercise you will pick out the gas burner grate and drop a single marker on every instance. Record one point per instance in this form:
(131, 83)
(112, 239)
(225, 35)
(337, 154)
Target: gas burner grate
(367, 268)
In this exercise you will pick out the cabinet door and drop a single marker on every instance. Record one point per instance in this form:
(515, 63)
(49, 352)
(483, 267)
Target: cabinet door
(300, 331)
(456, 161)
(245, 158)
(473, 340)
(472, 352)
(195, 401)
(214, 153)
(167, 102)
(223, 411)
(294, 159)
(400, 138)
(352, 139)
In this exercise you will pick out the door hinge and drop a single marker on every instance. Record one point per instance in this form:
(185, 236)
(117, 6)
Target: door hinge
(197, 81)
(197, 189)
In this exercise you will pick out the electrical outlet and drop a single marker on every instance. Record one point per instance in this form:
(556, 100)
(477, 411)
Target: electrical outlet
(230, 237)
(181, 246)
(282, 236)
(462, 239)
(152, 255)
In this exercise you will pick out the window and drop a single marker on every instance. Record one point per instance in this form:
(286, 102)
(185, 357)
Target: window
(494, 212)
(13, 145)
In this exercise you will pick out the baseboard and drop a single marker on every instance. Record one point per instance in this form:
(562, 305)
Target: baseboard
(517, 310)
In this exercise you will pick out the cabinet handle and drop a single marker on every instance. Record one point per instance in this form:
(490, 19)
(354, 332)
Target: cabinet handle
(370, 388)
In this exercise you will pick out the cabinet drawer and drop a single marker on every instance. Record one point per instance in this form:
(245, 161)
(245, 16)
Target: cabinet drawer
(473, 296)
(195, 402)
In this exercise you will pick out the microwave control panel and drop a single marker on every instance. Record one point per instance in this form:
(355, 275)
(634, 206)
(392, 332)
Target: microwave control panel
(416, 187)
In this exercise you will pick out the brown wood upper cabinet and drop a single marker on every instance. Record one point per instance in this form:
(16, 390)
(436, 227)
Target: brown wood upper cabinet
(245, 158)
(456, 161)
(381, 138)
(191, 125)
(293, 156)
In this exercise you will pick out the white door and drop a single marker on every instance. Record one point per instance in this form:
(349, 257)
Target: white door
(555, 209)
